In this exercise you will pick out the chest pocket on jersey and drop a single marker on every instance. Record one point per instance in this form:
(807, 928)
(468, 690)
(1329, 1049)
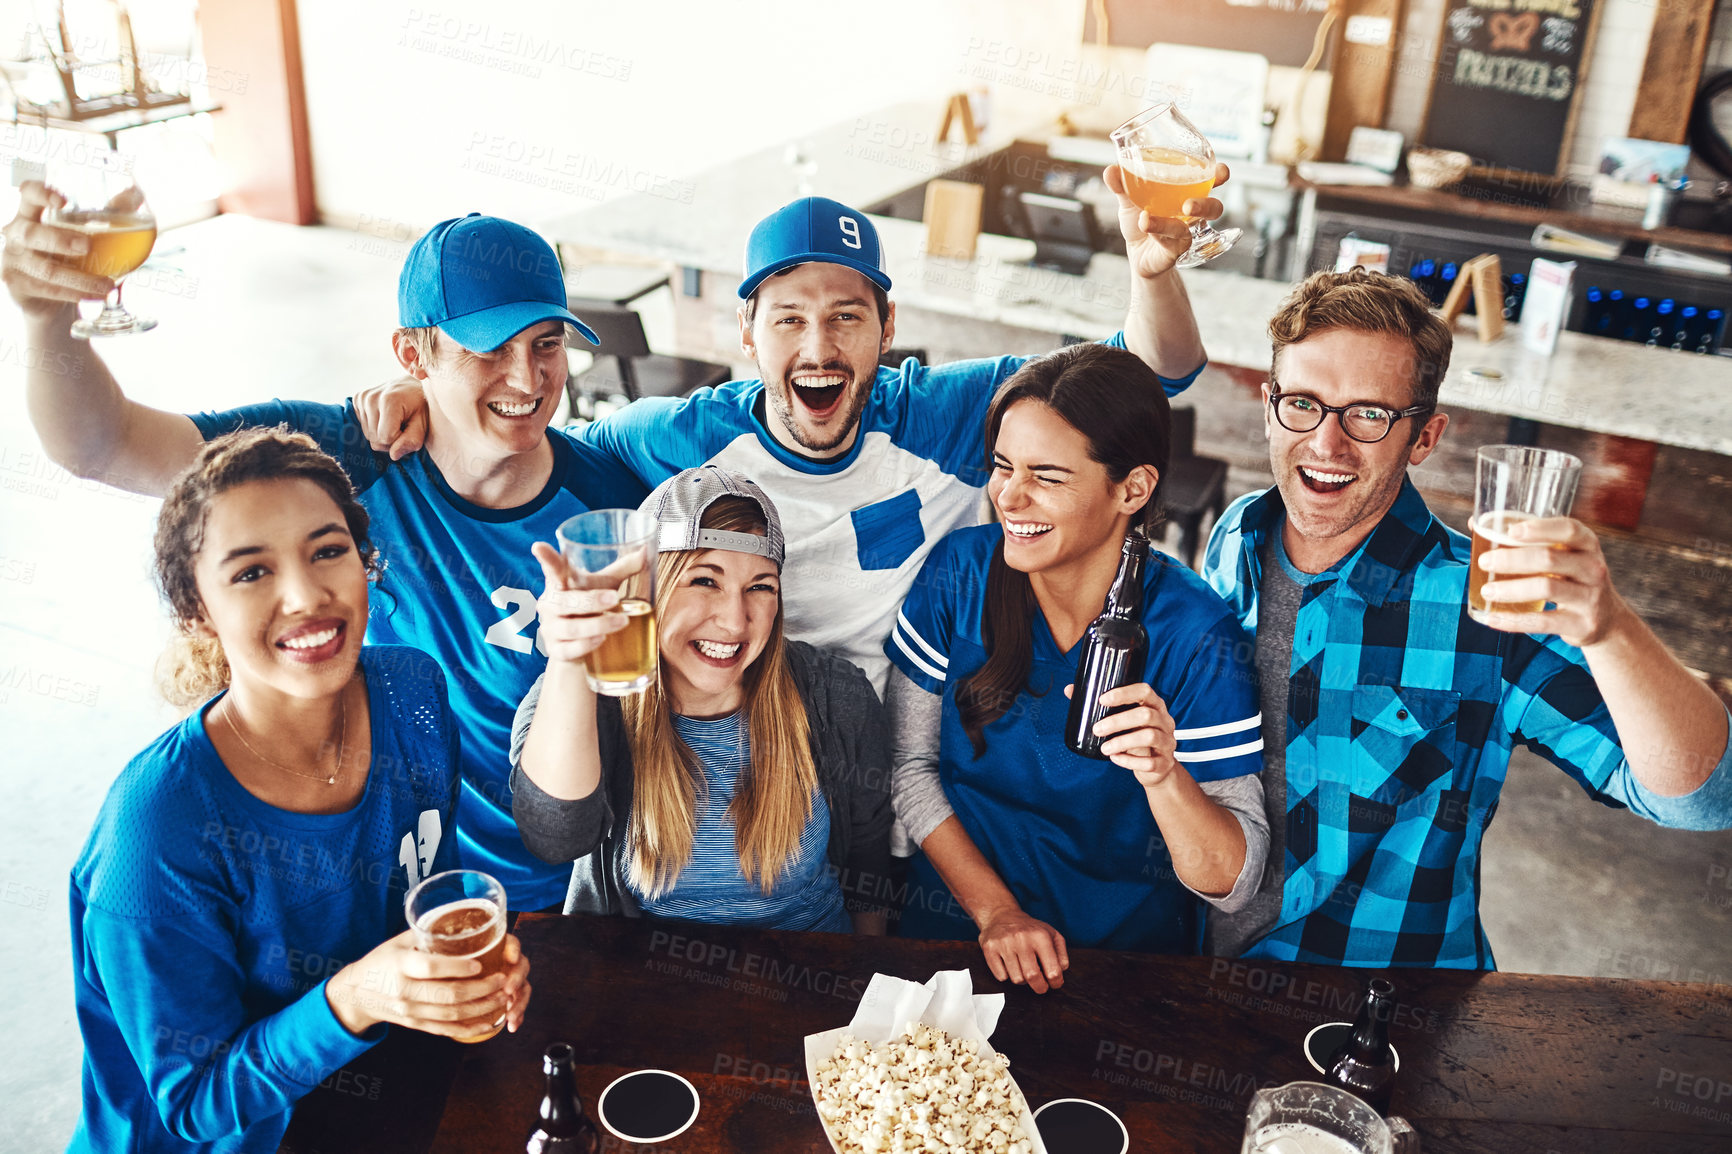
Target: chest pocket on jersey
(888, 533)
(1403, 741)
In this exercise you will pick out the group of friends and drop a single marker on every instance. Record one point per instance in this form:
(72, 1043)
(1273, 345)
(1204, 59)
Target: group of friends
(873, 582)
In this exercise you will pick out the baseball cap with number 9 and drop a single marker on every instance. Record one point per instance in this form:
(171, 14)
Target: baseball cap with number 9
(813, 229)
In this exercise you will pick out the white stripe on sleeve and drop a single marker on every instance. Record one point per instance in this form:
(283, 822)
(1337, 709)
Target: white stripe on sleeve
(1217, 730)
(1218, 754)
(937, 657)
(919, 662)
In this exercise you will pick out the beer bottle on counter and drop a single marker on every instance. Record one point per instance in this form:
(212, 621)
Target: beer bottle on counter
(1365, 1065)
(564, 1127)
(1113, 650)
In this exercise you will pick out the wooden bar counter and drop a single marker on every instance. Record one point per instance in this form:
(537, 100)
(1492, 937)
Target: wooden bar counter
(1515, 1063)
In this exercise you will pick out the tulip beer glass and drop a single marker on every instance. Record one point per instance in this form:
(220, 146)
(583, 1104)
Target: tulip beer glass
(102, 201)
(1514, 483)
(1166, 162)
(461, 914)
(616, 549)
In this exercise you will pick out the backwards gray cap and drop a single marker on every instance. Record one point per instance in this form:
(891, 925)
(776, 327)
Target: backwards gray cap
(679, 502)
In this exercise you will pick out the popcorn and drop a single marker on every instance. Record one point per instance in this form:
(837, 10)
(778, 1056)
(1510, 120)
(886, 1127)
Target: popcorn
(923, 1090)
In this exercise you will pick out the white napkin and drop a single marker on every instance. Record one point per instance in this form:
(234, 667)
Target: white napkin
(946, 1000)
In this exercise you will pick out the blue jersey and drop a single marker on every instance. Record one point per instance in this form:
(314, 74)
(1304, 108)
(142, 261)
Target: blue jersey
(857, 527)
(1073, 837)
(205, 923)
(460, 584)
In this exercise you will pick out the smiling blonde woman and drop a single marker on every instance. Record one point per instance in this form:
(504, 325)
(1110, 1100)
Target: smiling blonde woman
(750, 783)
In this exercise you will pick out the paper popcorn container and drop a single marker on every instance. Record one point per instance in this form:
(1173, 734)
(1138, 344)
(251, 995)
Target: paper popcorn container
(947, 1000)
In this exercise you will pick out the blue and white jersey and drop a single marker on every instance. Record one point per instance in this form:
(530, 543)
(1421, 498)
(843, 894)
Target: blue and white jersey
(461, 584)
(205, 923)
(857, 527)
(1073, 837)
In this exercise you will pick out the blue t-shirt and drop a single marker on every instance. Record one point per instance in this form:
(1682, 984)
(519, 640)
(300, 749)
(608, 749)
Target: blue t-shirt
(1073, 837)
(712, 887)
(460, 584)
(205, 923)
(857, 527)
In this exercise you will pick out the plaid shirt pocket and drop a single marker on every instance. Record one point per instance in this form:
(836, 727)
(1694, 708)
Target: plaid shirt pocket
(1404, 742)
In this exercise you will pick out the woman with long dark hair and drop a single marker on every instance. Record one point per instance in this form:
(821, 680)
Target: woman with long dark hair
(237, 914)
(749, 783)
(1026, 845)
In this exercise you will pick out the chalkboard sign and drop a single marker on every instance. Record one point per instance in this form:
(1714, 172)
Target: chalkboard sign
(1509, 78)
(1282, 30)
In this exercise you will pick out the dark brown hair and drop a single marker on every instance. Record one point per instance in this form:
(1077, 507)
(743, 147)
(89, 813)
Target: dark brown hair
(1367, 302)
(194, 667)
(1111, 397)
(879, 297)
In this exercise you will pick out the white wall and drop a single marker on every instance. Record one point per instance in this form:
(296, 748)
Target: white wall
(534, 109)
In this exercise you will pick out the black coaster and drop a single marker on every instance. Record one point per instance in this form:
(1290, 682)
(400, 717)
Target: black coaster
(648, 1106)
(1325, 1041)
(1078, 1126)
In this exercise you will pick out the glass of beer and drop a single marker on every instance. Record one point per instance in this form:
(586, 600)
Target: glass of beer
(105, 204)
(461, 914)
(1311, 1118)
(1166, 162)
(616, 549)
(1512, 484)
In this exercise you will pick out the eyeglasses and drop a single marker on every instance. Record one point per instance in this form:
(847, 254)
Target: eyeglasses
(1364, 421)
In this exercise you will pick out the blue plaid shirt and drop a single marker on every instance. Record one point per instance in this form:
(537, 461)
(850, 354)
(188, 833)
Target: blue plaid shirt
(1401, 715)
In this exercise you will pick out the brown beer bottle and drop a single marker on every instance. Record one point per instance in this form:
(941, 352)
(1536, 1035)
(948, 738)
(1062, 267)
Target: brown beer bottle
(1365, 1065)
(1113, 650)
(564, 1127)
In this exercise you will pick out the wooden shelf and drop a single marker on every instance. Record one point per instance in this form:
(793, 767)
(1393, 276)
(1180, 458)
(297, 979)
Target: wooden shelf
(1570, 209)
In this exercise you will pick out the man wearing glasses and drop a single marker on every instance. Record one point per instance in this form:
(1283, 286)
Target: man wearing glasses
(1389, 714)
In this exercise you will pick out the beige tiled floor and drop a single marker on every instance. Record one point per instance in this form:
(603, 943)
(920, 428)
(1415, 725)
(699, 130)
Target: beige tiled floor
(249, 311)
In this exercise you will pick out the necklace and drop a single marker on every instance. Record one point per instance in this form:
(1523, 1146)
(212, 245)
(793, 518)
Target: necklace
(342, 739)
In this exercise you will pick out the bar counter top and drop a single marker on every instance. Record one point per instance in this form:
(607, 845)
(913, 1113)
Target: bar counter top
(1591, 383)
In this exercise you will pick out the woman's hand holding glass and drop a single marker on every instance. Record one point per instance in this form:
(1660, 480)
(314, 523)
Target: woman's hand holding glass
(397, 983)
(1143, 736)
(573, 621)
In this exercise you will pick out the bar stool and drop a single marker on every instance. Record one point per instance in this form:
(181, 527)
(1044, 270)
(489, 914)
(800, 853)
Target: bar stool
(1192, 487)
(625, 366)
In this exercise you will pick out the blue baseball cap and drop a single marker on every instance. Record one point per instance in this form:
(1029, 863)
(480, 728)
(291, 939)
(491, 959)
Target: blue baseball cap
(482, 281)
(812, 230)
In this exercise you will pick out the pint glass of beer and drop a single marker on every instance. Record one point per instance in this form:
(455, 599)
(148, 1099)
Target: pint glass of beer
(461, 914)
(616, 549)
(103, 202)
(1166, 162)
(1514, 483)
(1311, 1118)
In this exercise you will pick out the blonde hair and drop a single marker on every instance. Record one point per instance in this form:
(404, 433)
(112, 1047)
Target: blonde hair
(194, 667)
(1367, 302)
(772, 802)
(425, 342)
